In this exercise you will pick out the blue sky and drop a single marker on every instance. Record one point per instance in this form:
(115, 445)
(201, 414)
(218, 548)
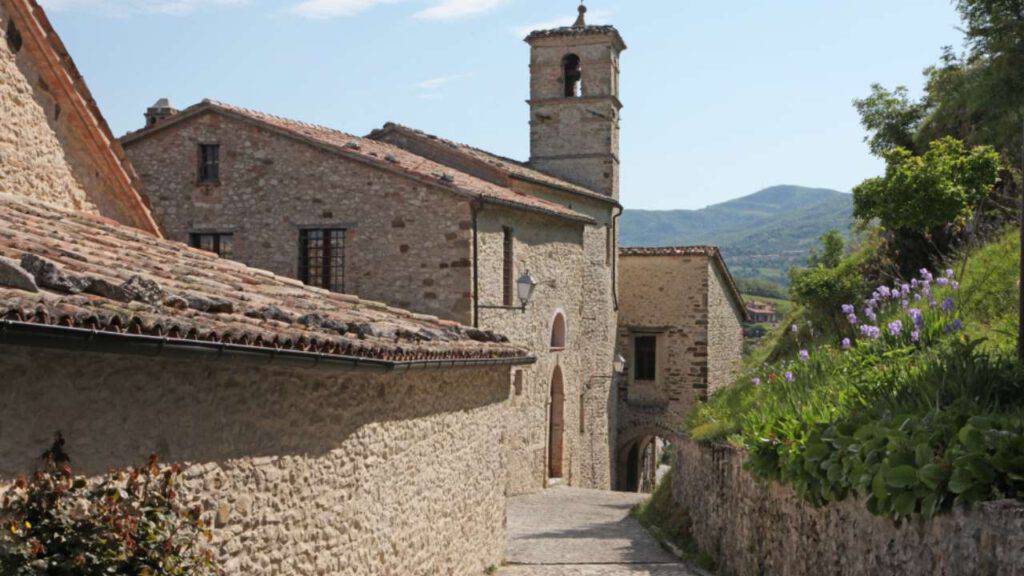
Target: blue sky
(721, 98)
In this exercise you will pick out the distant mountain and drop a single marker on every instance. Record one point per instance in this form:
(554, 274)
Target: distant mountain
(761, 235)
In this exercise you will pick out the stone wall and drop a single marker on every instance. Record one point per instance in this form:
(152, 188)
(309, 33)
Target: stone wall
(663, 296)
(725, 330)
(32, 161)
(553, 254)
(304, 472)
(47, 151)
(406, 243)
(752, 529)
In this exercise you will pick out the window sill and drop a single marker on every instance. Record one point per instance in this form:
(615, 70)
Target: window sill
(556, 349)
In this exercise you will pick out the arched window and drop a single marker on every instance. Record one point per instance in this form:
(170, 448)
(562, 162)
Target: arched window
(558, 332)
(573, 76)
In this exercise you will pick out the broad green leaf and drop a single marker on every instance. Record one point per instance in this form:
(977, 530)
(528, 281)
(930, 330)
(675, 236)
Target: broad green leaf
(901, 476)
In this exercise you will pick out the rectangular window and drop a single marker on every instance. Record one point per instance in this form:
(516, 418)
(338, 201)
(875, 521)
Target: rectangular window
(322, 258)
(609, 244)
(507, 272)
(209, 162)
(221, 244)
(645, 354)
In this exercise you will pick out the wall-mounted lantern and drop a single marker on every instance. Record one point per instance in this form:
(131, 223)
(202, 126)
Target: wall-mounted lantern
(524, 288)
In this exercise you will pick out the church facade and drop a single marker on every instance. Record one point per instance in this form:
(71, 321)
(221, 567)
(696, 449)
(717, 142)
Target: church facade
(524, 249)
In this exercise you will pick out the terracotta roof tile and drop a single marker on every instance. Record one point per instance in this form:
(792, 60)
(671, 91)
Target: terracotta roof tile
(96, 274)
(381, 154)
(513, 168)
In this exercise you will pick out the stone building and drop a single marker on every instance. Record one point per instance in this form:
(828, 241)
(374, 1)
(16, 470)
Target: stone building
(439, 227)
(681, 333)
(321, 433)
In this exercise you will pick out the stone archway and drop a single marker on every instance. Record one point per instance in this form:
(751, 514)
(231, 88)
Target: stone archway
(556, 429)
(638, 456)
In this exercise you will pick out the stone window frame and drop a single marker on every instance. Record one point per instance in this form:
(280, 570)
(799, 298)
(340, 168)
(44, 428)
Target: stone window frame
(559, 338)
(329, 267)
(217, 238)
(207, 168)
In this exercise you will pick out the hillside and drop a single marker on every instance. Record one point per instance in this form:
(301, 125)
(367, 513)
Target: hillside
(761, 235)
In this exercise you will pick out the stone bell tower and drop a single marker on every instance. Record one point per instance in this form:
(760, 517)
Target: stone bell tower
(574, 104)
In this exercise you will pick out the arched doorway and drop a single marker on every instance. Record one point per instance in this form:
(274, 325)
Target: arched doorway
(556, 431)
(643, 458)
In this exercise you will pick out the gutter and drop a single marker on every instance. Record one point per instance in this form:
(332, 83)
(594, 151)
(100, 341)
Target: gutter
(15, 333)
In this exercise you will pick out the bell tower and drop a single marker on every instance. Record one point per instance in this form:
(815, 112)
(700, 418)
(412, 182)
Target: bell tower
(574, 103)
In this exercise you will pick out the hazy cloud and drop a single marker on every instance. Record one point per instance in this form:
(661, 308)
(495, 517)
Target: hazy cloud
(430, 89)
(130, 7)
(454, 9)
(323, 9)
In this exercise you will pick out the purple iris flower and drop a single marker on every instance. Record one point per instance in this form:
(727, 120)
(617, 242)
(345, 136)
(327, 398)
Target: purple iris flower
(869, 331)
(794, 329)
(950, 274)
(916, 316)
(884, 292)
(871, 314)
(805, 355)
(906, 289)
(948, 305)
(847, 309)
(942, 281)
(790, 377)
(905, 304)
(926, 275)
(895, 327)
(954, 285)
(913, 283)
(852, 318)
(915, 336)
(845, 344)
(917, 297)
(757, 381)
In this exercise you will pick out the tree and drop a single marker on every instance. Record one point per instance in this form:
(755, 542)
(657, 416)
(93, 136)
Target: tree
(890, 117)
(939, 188)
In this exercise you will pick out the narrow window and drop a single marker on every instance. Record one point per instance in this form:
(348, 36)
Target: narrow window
(221, 244)
(517, 382)
(322, 258)
(558, 332)
(209, 162)
(507, 272)
(645, 348)
(609, 244)
(573, 76)
(13, 37)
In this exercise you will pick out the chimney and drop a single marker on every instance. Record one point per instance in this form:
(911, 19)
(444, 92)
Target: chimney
(161, 110)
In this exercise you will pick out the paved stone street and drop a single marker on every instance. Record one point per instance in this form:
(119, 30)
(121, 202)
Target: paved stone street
(573, 532)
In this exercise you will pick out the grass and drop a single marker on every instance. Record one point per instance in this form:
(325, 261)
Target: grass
(782, 307)
(668, 522)
(990, 299)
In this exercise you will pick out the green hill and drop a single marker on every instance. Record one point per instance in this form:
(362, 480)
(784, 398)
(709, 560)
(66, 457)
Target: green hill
(761, 235)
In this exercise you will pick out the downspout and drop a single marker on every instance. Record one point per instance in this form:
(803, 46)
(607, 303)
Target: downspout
(615, 256)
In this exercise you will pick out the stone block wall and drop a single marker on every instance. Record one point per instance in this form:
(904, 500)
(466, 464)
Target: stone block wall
(406, 243)
(725, 331)
(752, 528)
(304, 472)
(32, 161)
(47, 151)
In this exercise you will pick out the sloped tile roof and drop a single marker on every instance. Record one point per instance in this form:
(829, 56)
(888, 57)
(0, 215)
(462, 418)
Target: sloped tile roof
(711, 252)
(513, 168)
(96, 274)
(378, 153)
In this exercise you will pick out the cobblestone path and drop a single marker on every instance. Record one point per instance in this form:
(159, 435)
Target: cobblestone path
(572, 532)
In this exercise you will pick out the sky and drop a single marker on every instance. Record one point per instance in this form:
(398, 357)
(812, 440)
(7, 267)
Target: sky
(722, 98)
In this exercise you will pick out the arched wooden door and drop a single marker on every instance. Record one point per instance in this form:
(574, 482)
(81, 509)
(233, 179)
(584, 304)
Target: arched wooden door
(556, 432)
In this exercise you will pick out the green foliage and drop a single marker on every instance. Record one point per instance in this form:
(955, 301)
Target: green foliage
(830, 282)
(915, 417)
(920, 193)
(990, 297)
(761, 288)
(891, 118)
(131, 522)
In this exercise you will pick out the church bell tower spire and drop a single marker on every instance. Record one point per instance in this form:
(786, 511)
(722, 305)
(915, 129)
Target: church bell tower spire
(574, 103)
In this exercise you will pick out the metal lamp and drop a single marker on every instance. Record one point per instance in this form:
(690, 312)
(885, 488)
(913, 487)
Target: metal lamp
(524, 288)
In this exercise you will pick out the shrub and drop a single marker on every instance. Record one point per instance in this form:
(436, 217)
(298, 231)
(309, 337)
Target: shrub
(130, 522)
(905, 412)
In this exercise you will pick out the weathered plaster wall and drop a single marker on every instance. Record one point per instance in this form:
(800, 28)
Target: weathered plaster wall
(725, 331)
(32, 160)
(406, 243)
(752, 529)
(326, 472)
